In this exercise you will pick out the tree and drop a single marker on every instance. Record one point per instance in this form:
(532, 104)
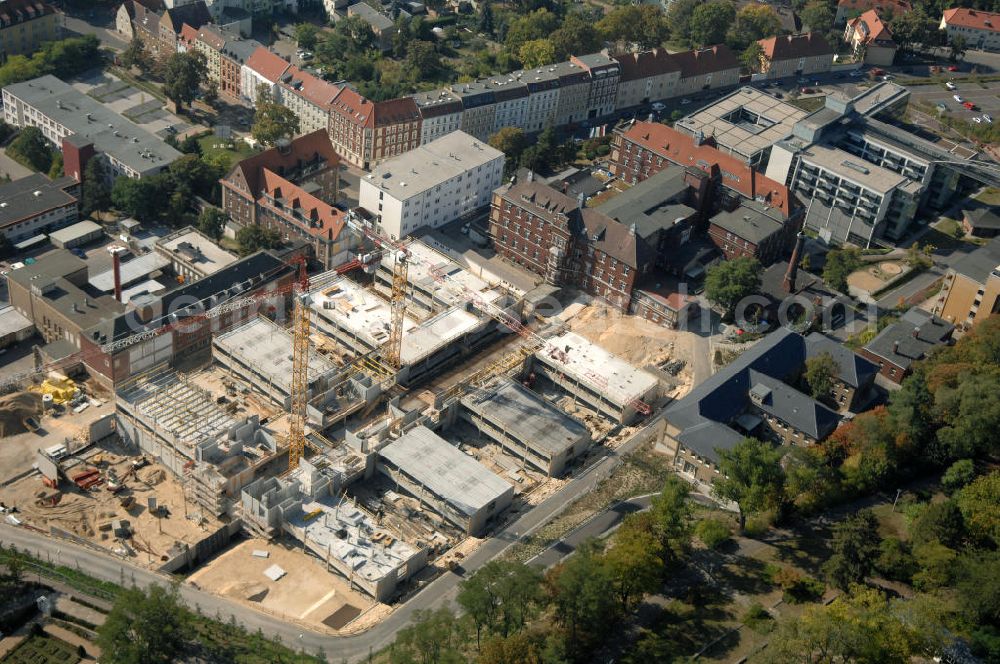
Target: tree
(713, 533)
(501, 597)
(730, 281)
(941, 521)
(818, 15)
(978, 586)
(135, 54)
(913, 29)
(821, 372)
(56, 169)
(583, 598)
(432, 638)
(211, 94)
(671, 517)
(422, 61)
(138, 198)
(634, 561)
(753, 22)
(212, 221)
(979, 503)
(253, 238)
(839, 264)
(514, 649)
(641, 26)
(575, 35)
(751, 477)
(31, 148)
(306, 36)
(958, 475)
(710, 21)
(536, 53)
(935, 565)
(861, 626)
(895, 560)
(679, 19)
(486, 23)
(272, 121)
(971, 414)
(511, 141)
(183, 75)
(144, 627)
(856, 549)
(95, 195)
(751, 57)
(536, 25)
(956, 48)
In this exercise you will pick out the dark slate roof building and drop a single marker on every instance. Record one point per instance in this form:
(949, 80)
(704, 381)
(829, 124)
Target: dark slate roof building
(910, 339)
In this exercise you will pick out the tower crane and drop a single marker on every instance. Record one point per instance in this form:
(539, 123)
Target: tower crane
(299, 391)
(397, 301)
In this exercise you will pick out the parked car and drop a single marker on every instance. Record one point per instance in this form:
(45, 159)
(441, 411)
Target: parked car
(685, 101)
(78, 252)
(969, 105)
(807, 91)
(977, 120)
(779, 95)
(958, 98)
(952, 67)
(987, 119)
(942, 107)
(888, 77)
(950, 86)
(857, 72)
(658, 106)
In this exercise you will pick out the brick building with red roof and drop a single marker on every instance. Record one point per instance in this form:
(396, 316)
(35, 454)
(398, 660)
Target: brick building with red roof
(366, 132)
(795, 55)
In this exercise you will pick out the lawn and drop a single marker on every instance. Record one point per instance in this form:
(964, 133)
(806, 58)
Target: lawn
(809, 103)
(990, 196)
(212, 145)
(42, 650)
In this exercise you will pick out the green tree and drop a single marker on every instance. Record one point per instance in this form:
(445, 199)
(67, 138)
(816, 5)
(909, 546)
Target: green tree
(634, 561)
(141, 199)
(536, 53)
(642, 26)
(941, 521)
(212, 221)
(753, 22)
(182, 76)
(956, 48)
(679, 19)
(433, 637)
(501, 597)
(839, 264)
(713, 533)
(306, 36)
(935, 565)
(272, 121)
(144, 627)
(575, 35)
(31, 148)
(95, 196)
(856, 549)
(821, 374)
(514, 649)
(710, 22)
(895, 560)
(582, 590)
(211, 94)
(913, 30)
(978, 586)
(730, 281)
(253, 238)
(56, 169)
(958, 475)
(750, 58)
(818, 15)
(971, 413)
(979, 502)
(511, 141)
(135, 54)
(751, 477)
(671, 517)
(536, 25)
(487, 23)
(422, 61)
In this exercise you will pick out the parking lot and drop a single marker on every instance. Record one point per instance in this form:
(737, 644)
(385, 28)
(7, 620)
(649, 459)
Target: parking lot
(986, 99)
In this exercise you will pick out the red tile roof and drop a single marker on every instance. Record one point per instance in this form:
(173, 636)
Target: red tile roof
(636, 66)
(306, 146)
(682, 150)
(211, 37)
(188, 35)
(269, 65)
(972, 18)
(706, 61)
(793, 47)
(19, 11)
(324, 220)
(354, 107)
(395, 111)
(309, 87)
(878, 31)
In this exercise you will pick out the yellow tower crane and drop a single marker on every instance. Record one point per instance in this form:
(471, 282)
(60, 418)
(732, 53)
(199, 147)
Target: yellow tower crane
(397, 301)
(300, 370)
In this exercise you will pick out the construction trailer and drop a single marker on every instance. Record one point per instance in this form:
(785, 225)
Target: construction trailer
(359, 319)
(308, 505)
(526, 425)
(441, 476)
(603, 381)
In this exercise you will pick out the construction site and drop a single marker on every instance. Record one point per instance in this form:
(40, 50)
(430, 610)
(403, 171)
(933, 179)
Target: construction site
(406, 410)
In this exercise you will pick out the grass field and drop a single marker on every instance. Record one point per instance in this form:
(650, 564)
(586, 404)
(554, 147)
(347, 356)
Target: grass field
(990, 196)
(42, 650)
(212, 145)
(809, 103)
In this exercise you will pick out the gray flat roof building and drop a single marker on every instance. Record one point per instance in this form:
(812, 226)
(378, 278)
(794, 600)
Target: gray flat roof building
(463, 490)
(35, 203)
(61, 111)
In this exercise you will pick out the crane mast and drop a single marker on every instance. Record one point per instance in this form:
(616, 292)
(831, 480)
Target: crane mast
(397, 301)
(300, 371)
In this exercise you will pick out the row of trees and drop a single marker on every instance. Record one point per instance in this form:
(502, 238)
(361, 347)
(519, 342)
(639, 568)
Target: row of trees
(585, 597)
(64, 59)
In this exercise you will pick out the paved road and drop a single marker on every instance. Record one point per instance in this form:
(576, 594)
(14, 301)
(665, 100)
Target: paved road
(439, 591)
(10, 167)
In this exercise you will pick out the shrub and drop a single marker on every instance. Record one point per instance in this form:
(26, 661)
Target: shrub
(958, 475)
(758, 619)
(895, 561)
(712, 533)
(796, 586)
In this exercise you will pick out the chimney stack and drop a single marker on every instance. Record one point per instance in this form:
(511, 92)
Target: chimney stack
(895, 347)
(581, 200)
(916, 332)
(793, 263)
(116, 264)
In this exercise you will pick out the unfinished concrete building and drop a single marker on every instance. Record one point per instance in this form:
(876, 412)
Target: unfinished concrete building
(184, 427)
(358, 319)
(526, 425)
(306, 505)
(606, 383)
(438, 474)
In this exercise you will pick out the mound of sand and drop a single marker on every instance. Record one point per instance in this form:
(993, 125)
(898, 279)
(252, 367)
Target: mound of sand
(15, 408)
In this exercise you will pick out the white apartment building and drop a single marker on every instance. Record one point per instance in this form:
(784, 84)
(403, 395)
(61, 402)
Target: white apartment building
(432, 185)
(440, 114)
(981, 30)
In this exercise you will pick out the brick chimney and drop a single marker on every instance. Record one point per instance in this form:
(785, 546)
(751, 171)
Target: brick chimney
(793, 263)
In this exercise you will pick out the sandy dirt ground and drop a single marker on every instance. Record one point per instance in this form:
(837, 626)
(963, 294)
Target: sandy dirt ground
(308, 592)
(89, 514)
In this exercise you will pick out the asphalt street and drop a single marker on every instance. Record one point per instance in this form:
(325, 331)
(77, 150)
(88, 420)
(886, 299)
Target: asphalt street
(354, 647)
